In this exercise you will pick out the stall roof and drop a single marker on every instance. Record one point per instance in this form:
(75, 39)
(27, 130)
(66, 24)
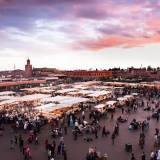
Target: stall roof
(88, 83)
(7, 93)
(46, 107)
(128, 96)
(63, 102)
(100, 106)
(65, 99)
(67, 90)
(6, 97)
(39, 89)
(32, 97)
(111, 102)
(118, 87)
(80, 87)
(121, 99)
(103, 87)
(134, 94)
(2, 84)
(125, 98)
(99, 93)
(84, 92)
(10, 101)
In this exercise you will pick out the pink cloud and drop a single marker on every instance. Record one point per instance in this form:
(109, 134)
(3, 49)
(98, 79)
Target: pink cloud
(118, 41)
(138, 20)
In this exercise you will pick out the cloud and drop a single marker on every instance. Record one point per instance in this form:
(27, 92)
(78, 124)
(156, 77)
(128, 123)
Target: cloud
(122, 42)
(89, 24)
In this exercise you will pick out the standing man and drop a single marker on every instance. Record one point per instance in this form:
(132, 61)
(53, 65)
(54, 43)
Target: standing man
(113, 137)
(143, 157)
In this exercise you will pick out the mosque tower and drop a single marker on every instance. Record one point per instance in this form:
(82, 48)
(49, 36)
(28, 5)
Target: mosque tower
(28, 69)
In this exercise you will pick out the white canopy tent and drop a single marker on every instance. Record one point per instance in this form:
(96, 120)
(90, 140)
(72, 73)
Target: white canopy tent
(6, 93)
(99, 93)
(67, 90)
(99, 106)
(63, 102)
(111, 104)
(33, 97)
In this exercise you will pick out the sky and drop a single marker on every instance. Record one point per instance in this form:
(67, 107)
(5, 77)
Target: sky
(79, 34)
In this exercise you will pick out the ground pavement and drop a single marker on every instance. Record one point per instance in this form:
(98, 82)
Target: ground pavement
(76, 150)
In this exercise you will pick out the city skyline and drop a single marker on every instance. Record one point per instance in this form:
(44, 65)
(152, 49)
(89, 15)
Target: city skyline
(71, 34)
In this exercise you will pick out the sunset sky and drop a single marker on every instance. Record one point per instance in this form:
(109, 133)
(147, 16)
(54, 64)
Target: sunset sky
(79, 34)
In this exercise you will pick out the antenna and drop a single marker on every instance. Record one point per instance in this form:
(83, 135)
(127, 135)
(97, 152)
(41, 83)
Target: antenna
(14, 70)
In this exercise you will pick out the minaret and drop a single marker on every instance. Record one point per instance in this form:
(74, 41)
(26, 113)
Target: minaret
(28, 69)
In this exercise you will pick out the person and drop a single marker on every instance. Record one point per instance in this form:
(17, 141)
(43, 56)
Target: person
(65, 129)
(142, 140)
(116, 130)
(133, 157)
(36, 140)
(156, 131)
(59, 149)
(158, 155)
(52, 158)
(15, 139)
(83, 115)
(122, 110)
(49, 154)
(21, 143)
(53, 146)
(75, 134)
(113, 137)
(64, 154)
(96, 133)
(46, 144)
(112, 116)
(152, 155)
(143, 157)
(105, 156)
(155, 141)
(29, 155)
(104, 131)
(157, 118)
(11, 143)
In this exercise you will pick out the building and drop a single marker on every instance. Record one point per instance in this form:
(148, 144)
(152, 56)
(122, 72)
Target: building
(20, 84)
(83, 74)
(44, 72)
(28, 69)
(11, 74)
(137, 73)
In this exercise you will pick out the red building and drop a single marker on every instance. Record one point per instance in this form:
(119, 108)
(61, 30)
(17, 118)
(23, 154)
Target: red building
(20, 84)
(89, 74)
(137, 73)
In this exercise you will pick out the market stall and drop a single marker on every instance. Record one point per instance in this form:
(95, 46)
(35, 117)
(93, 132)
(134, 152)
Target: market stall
(100, 95)
(100, 108)
(111, 105)
(60, 104)
(123, 100)
(7, 93)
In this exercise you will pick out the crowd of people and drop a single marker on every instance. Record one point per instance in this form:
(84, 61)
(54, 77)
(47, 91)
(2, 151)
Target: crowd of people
(85, 125)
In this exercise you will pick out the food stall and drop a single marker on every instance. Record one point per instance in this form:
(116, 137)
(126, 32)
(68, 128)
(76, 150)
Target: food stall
(111, 105)
(99, 96)
(100, 108)
(124, 99)
(58, 105)
(38, 90)
(66, 91)
(7, 93)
